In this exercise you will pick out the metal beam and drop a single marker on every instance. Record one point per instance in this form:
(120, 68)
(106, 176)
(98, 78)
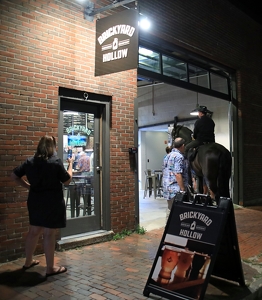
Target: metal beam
(90, 11)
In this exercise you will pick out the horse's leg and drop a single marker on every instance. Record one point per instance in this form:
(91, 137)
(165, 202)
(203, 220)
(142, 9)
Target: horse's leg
(223, 182)
(205, 188)
(190, 179)
(213, 190)
(200, 185)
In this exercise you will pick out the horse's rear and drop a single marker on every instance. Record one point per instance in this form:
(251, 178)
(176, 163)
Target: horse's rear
(214, 162)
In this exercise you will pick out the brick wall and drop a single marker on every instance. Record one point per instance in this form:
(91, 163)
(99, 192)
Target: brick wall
(44, 46)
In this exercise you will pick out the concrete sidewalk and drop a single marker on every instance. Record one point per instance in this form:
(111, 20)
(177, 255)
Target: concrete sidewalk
(119, 269)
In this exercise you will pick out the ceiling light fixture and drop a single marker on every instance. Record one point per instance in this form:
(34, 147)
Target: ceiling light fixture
(67, 112)
(194, 112)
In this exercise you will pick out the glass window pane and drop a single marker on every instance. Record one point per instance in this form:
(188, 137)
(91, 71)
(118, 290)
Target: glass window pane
(219, 83)
(174, 68)
(198, 76)
(78, 142)
(149, 60)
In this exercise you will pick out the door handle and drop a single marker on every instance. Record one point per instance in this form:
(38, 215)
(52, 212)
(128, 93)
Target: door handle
(97, 151)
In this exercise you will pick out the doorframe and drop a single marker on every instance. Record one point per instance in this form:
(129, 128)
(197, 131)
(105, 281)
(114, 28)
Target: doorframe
(136, 173)
(104, 103)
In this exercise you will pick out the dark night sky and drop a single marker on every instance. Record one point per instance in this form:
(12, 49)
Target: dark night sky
(252, 8)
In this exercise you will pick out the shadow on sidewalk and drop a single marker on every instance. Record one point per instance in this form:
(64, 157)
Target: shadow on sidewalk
(219, 288)
(227, 290)
(20, 277)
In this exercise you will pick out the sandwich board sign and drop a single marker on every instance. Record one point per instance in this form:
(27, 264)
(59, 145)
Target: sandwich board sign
(199, 240)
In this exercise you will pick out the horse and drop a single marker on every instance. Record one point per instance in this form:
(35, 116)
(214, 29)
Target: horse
(212, 161)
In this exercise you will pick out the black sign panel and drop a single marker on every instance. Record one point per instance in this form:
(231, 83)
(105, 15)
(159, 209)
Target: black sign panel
(117, 43)
(199, 240)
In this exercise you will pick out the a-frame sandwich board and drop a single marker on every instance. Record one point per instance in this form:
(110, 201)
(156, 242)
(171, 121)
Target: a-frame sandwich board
(199, 240)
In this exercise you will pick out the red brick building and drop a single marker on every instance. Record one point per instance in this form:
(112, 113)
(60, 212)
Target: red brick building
(47, 70)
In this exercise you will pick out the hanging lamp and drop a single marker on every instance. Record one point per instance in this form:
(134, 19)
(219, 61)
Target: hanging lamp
(194, 112)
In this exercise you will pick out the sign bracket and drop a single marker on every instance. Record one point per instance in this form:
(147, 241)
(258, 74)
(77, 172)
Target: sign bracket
(90, 10)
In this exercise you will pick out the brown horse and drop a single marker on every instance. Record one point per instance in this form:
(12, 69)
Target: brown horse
(212, 162)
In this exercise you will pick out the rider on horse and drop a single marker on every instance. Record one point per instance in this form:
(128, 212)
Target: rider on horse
(203, 130)
(211, 164)
(203, 133)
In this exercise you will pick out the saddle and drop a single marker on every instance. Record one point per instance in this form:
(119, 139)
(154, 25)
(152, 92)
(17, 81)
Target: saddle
(193, 151)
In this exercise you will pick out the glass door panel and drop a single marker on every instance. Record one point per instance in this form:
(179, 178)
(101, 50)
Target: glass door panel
(78, 142)
(81, 141)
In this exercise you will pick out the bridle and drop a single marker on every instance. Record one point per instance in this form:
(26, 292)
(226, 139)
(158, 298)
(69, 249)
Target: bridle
(177, 130)
(186, 135)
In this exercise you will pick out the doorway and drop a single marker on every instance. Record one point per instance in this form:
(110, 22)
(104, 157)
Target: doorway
(81, 136)
(153, 134)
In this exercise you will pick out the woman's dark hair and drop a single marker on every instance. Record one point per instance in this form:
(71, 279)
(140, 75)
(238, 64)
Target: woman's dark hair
(168, 149)
(46, 147)
(54, 141)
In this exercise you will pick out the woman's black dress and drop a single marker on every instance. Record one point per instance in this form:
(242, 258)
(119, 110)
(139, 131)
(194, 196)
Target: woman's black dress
(46, 205)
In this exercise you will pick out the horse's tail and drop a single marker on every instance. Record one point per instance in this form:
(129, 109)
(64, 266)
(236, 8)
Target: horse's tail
(224, 174)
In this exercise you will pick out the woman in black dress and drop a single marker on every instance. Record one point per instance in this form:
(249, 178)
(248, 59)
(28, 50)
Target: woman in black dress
(45, 174)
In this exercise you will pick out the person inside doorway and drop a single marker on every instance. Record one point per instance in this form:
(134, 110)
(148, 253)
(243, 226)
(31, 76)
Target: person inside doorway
(83, 163)
(165, 173)
(178, 172)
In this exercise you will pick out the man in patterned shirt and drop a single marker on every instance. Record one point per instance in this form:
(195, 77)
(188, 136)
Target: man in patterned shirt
(165, 173)
(178, 171)
(83, 162)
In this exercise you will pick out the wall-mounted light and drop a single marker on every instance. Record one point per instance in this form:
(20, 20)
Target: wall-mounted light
(144, 23)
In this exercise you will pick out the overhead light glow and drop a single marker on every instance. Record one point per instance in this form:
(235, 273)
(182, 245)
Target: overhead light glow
(144, 23)
(194, 112)
(67, 112)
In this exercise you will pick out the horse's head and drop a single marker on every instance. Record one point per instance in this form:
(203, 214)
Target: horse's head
(183, 132)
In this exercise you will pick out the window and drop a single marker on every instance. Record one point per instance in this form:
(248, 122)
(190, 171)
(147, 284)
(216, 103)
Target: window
(198, 76)
(218, 83)
(174, 68)
(149, 60)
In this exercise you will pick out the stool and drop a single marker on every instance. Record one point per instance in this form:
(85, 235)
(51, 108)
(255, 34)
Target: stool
(158, 180)
(86, 194)
(150, 183)
(73, 194)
